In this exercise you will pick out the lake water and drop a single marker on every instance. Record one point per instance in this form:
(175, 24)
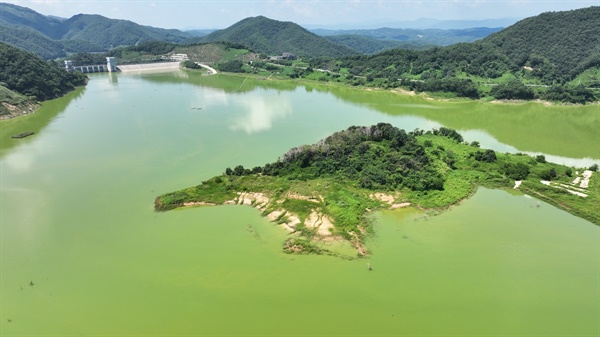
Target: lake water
(77, 221)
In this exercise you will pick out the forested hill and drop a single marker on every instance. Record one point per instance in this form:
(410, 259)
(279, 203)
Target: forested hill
(23, 16)
(113, 33)
(274, 37)
(560, 51)
(50, 37)
(25, 73)
(568, 41)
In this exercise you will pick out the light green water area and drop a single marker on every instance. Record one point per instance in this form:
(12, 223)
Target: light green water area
(84, 254)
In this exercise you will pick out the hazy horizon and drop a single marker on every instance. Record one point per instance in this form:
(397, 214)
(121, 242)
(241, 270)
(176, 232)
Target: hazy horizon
(212, 14)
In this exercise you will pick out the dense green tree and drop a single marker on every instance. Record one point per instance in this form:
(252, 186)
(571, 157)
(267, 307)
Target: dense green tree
(190, 64)
(460, 87)
(516, 171)
(29, 75)
(85, 59)
(377, 157)
(513, 89)
(239, 170)
(548, 174)
(234, 66)
(569, 172)
(488, 156)
(577, 94)
(450, 133)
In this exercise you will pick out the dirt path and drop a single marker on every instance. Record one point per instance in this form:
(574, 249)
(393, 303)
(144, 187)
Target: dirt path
(212, 70)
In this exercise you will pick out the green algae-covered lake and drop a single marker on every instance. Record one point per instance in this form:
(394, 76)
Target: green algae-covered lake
(77, 221)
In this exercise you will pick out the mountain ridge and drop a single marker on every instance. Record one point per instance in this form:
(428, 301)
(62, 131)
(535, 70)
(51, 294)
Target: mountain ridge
(80, 33)
(375, 40)
(274, 37)
(421, 23)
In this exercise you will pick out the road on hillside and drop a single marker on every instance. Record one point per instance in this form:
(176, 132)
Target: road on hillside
(212, 70)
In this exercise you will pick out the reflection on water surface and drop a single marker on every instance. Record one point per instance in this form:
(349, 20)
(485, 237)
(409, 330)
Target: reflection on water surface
(77, 220)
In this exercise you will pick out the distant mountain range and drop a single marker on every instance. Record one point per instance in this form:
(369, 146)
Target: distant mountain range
(52, 37)
(275, 37)
(557, 45)
(375, 40)
(422, 23)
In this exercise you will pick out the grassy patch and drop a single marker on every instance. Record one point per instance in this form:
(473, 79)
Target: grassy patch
(301, 207)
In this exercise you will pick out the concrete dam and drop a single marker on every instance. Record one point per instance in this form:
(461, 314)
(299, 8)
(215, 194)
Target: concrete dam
(111, 66)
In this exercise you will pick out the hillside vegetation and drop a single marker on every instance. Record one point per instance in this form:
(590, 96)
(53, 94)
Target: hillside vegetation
(484, 69)
(27, 78)
(274, 37)
(49, 37)
(327, 190)
(370, 45)
(557, 45)
(218, 52)
(554, 56)
(545, 53)
(109, 33)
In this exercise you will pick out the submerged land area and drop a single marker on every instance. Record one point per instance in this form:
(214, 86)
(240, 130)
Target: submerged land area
(327, 191)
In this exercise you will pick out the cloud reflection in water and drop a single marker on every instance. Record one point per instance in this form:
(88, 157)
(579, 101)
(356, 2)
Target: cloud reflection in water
(261, 112)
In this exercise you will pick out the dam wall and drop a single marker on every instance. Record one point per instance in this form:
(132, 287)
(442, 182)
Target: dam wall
(129, 68)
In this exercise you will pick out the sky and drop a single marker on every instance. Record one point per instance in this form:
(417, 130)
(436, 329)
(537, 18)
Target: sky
(218, 14)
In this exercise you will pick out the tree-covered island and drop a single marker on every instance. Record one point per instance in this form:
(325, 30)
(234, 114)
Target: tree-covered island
(326, 191)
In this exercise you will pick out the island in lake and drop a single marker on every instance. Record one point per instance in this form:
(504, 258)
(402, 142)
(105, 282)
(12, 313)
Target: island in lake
(326, 191)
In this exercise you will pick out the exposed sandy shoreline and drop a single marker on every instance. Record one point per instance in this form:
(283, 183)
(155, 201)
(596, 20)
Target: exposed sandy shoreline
(18, 110)
(317, 222)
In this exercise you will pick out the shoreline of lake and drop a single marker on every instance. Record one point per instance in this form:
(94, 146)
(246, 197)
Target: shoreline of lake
(31, 107)
(401, 91)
